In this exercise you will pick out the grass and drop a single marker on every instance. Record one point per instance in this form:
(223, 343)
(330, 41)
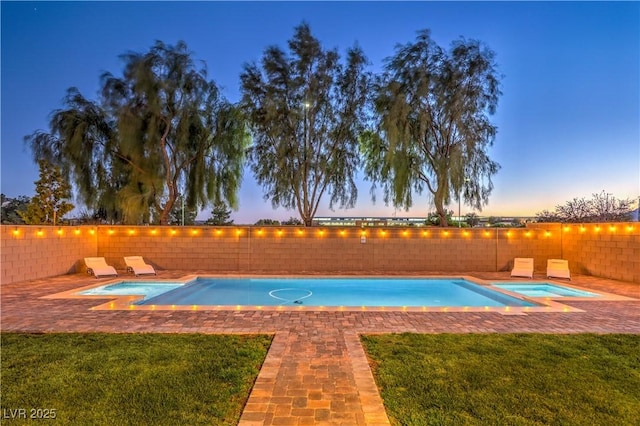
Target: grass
(508, 379)
(132, 379)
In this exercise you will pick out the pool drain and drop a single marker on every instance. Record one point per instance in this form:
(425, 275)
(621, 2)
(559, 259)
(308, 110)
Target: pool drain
(296, 300)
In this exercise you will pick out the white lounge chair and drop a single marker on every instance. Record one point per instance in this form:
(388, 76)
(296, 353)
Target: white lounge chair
(98, 267)
(137, 265)
(522, 267)
(558, 268)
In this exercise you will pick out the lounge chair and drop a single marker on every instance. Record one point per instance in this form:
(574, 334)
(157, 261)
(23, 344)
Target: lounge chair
(98, 267)
(137, 265)
(522, 267)
(558, 268)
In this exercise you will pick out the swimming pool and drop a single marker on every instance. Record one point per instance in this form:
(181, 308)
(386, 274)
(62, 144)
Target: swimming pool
(544, 290)
(317, 292)
(128, 288)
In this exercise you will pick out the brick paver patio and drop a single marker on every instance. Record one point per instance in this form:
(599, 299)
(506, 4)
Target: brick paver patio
(316, 371)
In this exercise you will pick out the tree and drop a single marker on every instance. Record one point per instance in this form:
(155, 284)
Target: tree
(220, 216)
(11, 209)
(160, 127)
(433, 218)
(50, 202)
(472, 219)
(602, 207)
(180, 216)
(306, 112)
(267, 222)
(434, 129)
(293, 221)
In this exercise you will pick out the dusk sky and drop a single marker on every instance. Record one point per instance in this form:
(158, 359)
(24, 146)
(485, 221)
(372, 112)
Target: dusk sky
(568, 120)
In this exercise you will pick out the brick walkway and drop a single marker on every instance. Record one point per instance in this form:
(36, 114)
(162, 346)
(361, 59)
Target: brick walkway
(316, 371)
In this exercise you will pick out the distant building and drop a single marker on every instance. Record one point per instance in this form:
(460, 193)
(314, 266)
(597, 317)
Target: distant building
(369, 221)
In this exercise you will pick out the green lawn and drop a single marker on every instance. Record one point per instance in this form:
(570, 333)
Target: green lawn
(130, 379)
(508, 379)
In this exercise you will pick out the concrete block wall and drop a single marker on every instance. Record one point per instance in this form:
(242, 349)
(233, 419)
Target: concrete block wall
(214, 249)
(610, 250)
(605, 250)
(328, 249)
(32, 252)
(539, 242)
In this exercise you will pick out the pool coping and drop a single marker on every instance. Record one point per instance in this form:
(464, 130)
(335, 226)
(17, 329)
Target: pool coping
(547, 304)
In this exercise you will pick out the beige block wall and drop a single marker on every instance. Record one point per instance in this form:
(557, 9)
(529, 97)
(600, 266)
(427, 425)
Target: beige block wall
(608, 252)
(32, 252)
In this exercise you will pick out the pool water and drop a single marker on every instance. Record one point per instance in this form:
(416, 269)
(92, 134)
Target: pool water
(127, 288)
(545, 290)
(334, 292)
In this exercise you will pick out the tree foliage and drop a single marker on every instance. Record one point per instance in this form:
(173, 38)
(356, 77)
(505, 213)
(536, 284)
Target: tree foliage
(434, 129)
(601, 208)
(267, 222)
(292, 221)
(50, 203)
(182, 214)
(11, 209)
(306, 112)
(160, 127)
(472, 219)
(221, 215)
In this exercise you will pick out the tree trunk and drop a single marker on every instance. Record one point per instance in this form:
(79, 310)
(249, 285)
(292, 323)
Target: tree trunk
(438, 200)
(166, 211)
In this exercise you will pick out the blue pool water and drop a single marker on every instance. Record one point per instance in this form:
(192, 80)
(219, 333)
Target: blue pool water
(127, 288)
(334, 292)
(545, 290)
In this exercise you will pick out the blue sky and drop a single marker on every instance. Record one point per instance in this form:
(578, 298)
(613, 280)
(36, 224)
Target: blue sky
(568, 121)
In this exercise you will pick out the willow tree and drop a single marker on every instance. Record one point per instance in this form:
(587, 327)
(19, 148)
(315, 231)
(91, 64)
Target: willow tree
(160, 131)
(306, 112)
(434, 130)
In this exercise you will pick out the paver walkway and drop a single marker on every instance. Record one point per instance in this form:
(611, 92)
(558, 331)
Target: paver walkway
(316, 371)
